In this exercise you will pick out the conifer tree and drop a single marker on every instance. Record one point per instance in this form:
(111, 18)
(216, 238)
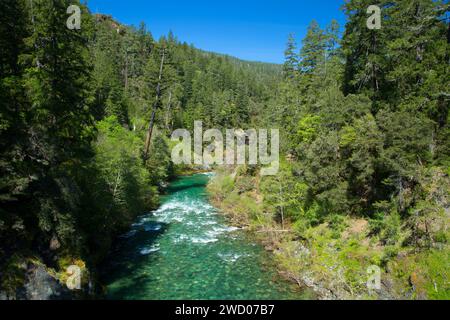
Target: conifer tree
(290, 58)
(313, 49)
(59, 119)
(365, 51)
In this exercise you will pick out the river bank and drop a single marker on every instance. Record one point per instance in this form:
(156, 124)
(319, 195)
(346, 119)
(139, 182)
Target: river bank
(238, 213)
(331, 258)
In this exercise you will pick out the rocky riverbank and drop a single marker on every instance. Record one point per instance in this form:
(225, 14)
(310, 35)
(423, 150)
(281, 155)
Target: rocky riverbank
(331, 258)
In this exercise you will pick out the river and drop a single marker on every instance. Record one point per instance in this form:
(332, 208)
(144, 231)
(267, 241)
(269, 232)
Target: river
(186, 250)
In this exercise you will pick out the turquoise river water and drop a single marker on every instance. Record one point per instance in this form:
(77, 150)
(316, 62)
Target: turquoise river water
(186, 250)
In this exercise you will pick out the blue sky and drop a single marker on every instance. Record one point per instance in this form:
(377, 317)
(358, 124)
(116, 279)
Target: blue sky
(247, 29)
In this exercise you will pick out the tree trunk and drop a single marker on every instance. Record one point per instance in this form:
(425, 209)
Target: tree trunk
(374, 72)
(169, 107)
(38, 63)
(126, 71)
(155, 106)
(282, 206)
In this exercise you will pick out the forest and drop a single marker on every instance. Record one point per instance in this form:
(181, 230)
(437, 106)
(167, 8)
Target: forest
(86, 118)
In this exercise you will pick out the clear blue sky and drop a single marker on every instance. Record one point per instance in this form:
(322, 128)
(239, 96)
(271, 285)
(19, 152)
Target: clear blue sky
(247, 29)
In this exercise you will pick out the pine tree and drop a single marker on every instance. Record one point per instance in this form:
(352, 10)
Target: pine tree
(312, 53)
(15, 172)
(419, 58)
(242, 105)
(59, 120)
(365, 52)
(290, 58)
(332, 39)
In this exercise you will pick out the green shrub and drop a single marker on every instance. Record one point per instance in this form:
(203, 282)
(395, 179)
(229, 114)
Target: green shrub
(387, 227)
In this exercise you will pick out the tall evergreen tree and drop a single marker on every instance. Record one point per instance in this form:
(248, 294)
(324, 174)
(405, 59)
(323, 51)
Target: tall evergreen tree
(290, 58)
(313, 49)
(16, 175)
(418, 52)
(59, 121)
(365, 51)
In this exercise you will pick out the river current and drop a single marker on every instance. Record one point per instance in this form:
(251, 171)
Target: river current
(186, 250)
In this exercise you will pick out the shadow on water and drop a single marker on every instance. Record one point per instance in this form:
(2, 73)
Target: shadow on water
(128, 257)
(181, 187)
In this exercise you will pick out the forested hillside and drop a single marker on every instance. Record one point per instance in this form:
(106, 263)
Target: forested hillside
(364, 179)
(76, 106)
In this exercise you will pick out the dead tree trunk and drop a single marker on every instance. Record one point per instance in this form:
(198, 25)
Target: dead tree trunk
(169, 108)
(282, 205)
(33, 22)
(126, 71)
(155, 106)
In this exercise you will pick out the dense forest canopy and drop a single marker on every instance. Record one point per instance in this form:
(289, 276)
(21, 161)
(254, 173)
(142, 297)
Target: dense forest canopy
(75, 111)
(363, 116)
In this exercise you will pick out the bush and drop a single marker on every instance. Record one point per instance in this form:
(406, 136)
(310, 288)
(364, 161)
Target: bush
(387, 227)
